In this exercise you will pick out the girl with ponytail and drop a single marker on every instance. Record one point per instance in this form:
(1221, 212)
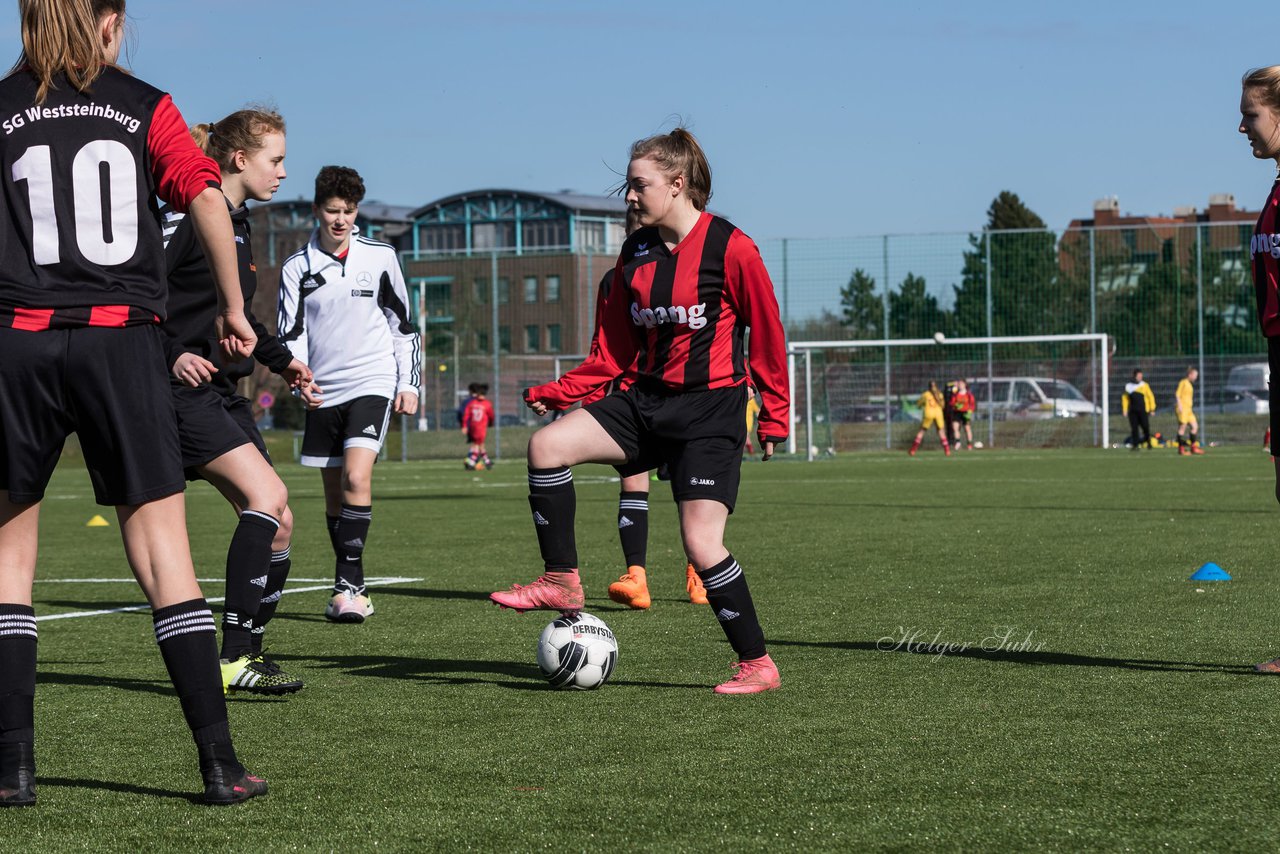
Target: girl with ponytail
(220, 439)
(82, 291)
(686, 288)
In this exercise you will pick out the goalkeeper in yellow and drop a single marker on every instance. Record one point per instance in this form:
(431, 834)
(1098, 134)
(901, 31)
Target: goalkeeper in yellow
(1138, 404)
(1188, 427)
(932, 402)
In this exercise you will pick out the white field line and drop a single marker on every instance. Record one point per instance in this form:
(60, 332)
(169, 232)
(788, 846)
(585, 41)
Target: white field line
(377, 582)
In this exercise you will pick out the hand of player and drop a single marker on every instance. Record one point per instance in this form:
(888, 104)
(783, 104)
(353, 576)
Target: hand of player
(235, 335)
(406, 403)
(310, 394)
(539, 408)
(766, 447)
(297, 375)
(192, 370)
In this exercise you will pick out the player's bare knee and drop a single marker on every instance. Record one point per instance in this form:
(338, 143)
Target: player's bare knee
(285, 532)
(545, 449)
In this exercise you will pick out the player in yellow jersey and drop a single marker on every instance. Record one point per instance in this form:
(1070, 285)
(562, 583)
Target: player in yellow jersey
(932, 402)
(1184, 397)
(753, 412)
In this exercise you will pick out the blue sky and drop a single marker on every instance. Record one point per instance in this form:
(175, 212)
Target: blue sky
(819, 118)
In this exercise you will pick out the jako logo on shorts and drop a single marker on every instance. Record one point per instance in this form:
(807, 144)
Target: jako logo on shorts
(651, 317)
(1261, 244)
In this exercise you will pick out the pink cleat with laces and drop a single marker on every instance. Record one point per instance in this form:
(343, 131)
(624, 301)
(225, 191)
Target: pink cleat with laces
(754, 676)
(553, 591)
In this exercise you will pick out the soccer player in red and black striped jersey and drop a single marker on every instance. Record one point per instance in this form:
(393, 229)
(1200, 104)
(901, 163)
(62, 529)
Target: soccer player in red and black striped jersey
(687, 287)
(86, 149)
(1260, 122)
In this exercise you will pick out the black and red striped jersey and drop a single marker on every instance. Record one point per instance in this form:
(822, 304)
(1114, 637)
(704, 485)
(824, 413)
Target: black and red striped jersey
(678, 316)
(80, 244)
(1264, 251)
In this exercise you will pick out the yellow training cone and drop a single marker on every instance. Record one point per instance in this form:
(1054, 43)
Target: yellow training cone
(97, 522)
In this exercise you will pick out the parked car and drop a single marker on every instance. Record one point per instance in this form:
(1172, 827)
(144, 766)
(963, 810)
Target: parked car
(1030, 397)
(1237, 402)
(866, 413)
(1254, 377)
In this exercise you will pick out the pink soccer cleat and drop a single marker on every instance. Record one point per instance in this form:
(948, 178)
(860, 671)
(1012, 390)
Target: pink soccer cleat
(553, 591)
(754, 676)
(1272, 666)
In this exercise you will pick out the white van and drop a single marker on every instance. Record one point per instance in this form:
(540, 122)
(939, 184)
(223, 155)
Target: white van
(1030, 397)
(1253, 377)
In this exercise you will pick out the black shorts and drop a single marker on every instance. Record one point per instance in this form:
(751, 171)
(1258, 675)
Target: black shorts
(1273, 361)
(210, 424)
(107, 385)
(359, 423)
(699, 434)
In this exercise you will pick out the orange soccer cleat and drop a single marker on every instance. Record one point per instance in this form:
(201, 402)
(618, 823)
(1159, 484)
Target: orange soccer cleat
(693, 586)
(631, 589)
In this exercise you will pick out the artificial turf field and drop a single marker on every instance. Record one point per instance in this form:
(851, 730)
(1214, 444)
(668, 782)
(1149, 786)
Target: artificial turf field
(1103, 700)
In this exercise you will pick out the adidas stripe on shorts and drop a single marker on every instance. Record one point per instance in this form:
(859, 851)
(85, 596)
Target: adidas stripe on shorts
(359, 423)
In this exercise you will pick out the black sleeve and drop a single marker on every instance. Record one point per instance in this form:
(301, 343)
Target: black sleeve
(269, 351)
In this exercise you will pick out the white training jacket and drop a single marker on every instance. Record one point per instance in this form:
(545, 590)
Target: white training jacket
(350, 322)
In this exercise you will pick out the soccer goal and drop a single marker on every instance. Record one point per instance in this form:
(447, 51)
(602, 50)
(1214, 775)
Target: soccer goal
(1032, 391)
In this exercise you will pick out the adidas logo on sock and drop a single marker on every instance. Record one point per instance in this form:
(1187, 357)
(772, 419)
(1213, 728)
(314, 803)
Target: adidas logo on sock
(539, 519)
(357, 543)
(624, 522)
(259, 582)
(370, 431)
(724, 615)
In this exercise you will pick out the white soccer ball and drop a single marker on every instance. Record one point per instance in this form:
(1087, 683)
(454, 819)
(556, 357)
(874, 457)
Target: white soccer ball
(977, 445)
(813, 450)
(938, 338)
(577, 651)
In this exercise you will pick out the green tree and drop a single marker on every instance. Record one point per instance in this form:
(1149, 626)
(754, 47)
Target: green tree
(1028, 295)
(862, 311)
(914, 312)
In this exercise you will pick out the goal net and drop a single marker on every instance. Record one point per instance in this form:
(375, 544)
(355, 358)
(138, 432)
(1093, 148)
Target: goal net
(1031, 391)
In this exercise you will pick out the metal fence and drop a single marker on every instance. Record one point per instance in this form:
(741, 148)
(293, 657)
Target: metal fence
(1167, 295)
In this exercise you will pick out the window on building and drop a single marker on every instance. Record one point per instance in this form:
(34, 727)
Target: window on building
(531, 339)
(504, 339)
(590, 236)
(530, 288)
(493, 235)
(553, 289)
(482, 341)
(437, 299)
(553, 337)
(545, 234)
(504, 290)
(481, 290)
(439, 237)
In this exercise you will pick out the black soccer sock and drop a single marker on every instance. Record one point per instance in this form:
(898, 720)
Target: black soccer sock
(331, 523)
(277, 575)
(188, 643)
(633, 526)
(248, 559)
(554, 505)
(17, 675)
(353, 530)
(730, 599)
(1193, 439)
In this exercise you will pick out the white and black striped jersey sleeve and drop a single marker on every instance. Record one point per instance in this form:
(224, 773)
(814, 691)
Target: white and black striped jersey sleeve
(393, 297)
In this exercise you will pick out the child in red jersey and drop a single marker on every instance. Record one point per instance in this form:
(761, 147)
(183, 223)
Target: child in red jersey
(1260, 122)
(81, 292)
(962, 404)
(477, 418)
(686, 287)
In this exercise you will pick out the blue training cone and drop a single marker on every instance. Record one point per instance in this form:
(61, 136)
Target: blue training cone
(1210, 572)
